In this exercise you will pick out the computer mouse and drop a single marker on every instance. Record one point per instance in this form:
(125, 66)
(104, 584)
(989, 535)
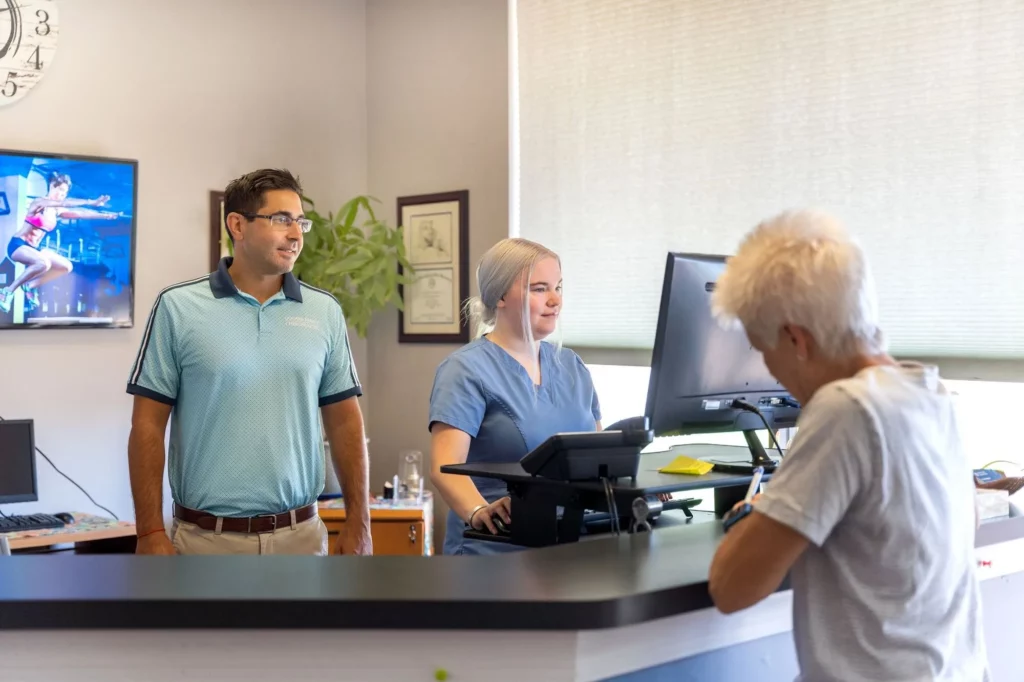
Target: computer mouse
(65, 517)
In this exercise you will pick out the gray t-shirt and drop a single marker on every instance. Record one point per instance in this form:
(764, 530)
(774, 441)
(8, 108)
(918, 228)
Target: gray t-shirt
(878, 481)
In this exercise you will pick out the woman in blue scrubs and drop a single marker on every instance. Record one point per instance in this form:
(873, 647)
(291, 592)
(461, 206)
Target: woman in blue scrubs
(505, 393)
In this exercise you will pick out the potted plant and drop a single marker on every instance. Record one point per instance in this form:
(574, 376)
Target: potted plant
(356, 260)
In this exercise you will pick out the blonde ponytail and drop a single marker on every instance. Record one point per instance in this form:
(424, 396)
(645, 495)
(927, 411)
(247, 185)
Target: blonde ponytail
(479, 317)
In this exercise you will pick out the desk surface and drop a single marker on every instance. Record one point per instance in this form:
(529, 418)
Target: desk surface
(380, 509)
(604, 582)
(86, 528)
(648, 480)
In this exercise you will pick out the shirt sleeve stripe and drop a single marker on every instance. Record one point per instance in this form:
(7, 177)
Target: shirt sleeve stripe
(137, 370)
(135, 389)
(145, 341)
(344, 395)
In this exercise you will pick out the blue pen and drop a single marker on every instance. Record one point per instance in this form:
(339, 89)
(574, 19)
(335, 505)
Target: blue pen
(734, 515)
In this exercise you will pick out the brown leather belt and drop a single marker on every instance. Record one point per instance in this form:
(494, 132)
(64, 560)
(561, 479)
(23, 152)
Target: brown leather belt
(265, 523)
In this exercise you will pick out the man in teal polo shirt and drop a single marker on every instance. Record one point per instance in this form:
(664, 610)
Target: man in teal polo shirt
(242, 361)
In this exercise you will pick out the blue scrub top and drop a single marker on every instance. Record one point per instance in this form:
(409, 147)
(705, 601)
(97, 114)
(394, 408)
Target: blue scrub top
(484, 391)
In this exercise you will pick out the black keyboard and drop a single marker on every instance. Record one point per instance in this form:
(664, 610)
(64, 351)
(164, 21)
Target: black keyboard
(14, 524)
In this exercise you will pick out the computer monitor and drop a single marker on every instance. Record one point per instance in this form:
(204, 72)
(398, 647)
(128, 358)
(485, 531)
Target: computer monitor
(17, 462)
(699, 367)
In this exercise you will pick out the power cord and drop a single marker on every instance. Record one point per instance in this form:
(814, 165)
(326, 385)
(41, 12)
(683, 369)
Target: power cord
(50, 462)
(613, 507)
(1000, 461)
(747, 407)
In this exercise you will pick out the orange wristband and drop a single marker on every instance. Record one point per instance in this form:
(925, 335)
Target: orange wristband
(158, 530)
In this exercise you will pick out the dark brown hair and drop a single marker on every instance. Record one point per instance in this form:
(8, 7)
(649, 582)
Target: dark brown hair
(244, 195)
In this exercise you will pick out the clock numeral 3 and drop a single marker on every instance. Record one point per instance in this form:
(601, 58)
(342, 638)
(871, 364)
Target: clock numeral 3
(34, 59)
(9, 88)
(43, 27)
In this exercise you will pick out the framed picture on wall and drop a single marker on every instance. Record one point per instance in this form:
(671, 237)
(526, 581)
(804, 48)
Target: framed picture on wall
(436, 232)
(220, 243)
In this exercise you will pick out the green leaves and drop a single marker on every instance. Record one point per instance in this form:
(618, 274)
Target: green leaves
(349, 263)
(356, 261)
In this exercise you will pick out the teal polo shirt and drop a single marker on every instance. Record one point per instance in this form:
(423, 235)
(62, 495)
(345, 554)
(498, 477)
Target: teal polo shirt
(246, 382)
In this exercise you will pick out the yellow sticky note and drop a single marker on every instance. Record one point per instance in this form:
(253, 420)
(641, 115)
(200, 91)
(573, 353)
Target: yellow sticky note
(687, 465)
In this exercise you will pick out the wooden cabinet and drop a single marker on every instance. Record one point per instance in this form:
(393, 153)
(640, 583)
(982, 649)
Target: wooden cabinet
(395, 529)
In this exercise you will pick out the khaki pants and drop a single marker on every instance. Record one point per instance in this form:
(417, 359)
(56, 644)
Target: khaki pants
(307, 537)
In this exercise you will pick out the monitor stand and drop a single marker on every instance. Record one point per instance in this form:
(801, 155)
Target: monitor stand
(727, 497)
(758, 458)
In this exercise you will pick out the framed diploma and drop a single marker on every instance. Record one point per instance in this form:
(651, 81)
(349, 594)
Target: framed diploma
(220, 243)
(435, 228)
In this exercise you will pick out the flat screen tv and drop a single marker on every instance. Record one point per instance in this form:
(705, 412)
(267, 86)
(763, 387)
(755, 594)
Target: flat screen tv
(67, 240)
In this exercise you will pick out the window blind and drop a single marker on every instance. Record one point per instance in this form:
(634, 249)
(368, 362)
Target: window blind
(644, 127)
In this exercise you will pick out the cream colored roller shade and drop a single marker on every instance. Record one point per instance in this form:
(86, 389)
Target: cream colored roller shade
(644, 127)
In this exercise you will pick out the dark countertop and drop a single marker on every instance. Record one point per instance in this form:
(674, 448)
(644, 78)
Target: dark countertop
(602, 582)
(598, 583)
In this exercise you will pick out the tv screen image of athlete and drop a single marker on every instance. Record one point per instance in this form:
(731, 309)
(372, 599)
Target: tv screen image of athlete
(42, 264)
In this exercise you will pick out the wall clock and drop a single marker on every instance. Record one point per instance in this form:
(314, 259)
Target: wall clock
(28, 42)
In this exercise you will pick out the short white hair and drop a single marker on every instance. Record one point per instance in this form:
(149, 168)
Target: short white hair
(801, 268)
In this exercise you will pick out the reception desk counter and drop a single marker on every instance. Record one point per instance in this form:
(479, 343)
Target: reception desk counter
(630, 607)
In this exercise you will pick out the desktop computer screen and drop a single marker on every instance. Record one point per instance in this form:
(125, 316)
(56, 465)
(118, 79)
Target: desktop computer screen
(699, 367)
(17, 462)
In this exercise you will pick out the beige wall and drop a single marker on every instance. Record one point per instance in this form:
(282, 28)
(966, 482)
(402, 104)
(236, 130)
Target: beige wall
(394, 97)
(437, 92)
(199, 92)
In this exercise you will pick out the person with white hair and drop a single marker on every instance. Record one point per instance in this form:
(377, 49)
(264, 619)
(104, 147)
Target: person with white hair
(506, 392)
(871, 512)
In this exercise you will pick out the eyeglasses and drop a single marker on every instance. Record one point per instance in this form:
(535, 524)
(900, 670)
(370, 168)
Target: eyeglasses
(282, 221)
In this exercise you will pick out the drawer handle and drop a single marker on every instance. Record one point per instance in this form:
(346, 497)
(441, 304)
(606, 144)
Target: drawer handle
(412, 534)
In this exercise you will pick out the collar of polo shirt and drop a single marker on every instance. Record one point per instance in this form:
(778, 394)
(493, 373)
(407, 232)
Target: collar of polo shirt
(223, 286)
